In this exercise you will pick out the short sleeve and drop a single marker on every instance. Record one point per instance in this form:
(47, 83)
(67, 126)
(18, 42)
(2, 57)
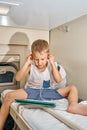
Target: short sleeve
(63, 74)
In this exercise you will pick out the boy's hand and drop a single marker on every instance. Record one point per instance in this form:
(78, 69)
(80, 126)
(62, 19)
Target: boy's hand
(51, 58)
(29, 59)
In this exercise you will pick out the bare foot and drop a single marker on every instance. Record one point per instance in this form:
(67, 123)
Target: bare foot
(80, 109)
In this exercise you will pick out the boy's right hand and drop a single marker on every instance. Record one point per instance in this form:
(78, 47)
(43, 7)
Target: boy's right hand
(29, 59)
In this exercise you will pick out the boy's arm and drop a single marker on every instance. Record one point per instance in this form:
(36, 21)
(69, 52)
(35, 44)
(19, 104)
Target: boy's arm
(24, 70)
(56, 74)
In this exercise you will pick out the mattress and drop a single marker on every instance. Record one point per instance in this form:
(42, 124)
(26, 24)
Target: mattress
(32, 117)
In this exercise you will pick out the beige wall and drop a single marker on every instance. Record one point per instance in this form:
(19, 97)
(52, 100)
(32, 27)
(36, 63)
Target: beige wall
(70, 50)
(22, 37)
(7, 32)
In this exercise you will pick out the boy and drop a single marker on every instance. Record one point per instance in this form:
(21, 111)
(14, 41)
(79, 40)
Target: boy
(43, 76)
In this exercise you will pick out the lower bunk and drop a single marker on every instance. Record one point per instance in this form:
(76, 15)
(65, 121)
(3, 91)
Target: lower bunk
(34, 117)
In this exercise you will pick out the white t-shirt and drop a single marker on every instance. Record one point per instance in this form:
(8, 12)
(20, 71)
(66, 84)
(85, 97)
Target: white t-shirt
(43, 79)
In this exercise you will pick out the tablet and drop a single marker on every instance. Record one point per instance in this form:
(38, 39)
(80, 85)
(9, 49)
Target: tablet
(37, 102)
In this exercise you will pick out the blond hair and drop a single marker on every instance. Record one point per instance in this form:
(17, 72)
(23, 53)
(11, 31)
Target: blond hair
(40, 45)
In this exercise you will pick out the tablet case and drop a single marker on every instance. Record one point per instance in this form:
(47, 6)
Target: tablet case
(36, 102)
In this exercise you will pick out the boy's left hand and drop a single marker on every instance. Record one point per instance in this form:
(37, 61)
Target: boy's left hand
(51, 58)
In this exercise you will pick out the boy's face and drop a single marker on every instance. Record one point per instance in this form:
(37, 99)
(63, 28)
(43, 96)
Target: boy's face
(40, 59)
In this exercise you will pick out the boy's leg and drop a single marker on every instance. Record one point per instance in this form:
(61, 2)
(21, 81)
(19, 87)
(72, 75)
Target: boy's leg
(9, 98)
(71, 93)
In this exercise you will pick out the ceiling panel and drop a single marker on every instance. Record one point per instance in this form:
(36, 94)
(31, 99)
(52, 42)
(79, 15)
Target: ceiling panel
(42, 14)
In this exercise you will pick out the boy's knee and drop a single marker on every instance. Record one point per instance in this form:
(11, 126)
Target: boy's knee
(73, 87)
(9, 97)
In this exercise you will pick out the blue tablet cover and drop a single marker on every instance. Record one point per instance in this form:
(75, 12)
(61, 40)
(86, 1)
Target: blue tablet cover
(37, 102)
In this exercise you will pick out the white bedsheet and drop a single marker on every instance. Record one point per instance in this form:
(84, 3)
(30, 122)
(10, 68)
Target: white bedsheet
(41, 120)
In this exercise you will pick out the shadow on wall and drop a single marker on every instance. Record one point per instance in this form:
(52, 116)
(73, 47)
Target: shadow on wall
(19, 38)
